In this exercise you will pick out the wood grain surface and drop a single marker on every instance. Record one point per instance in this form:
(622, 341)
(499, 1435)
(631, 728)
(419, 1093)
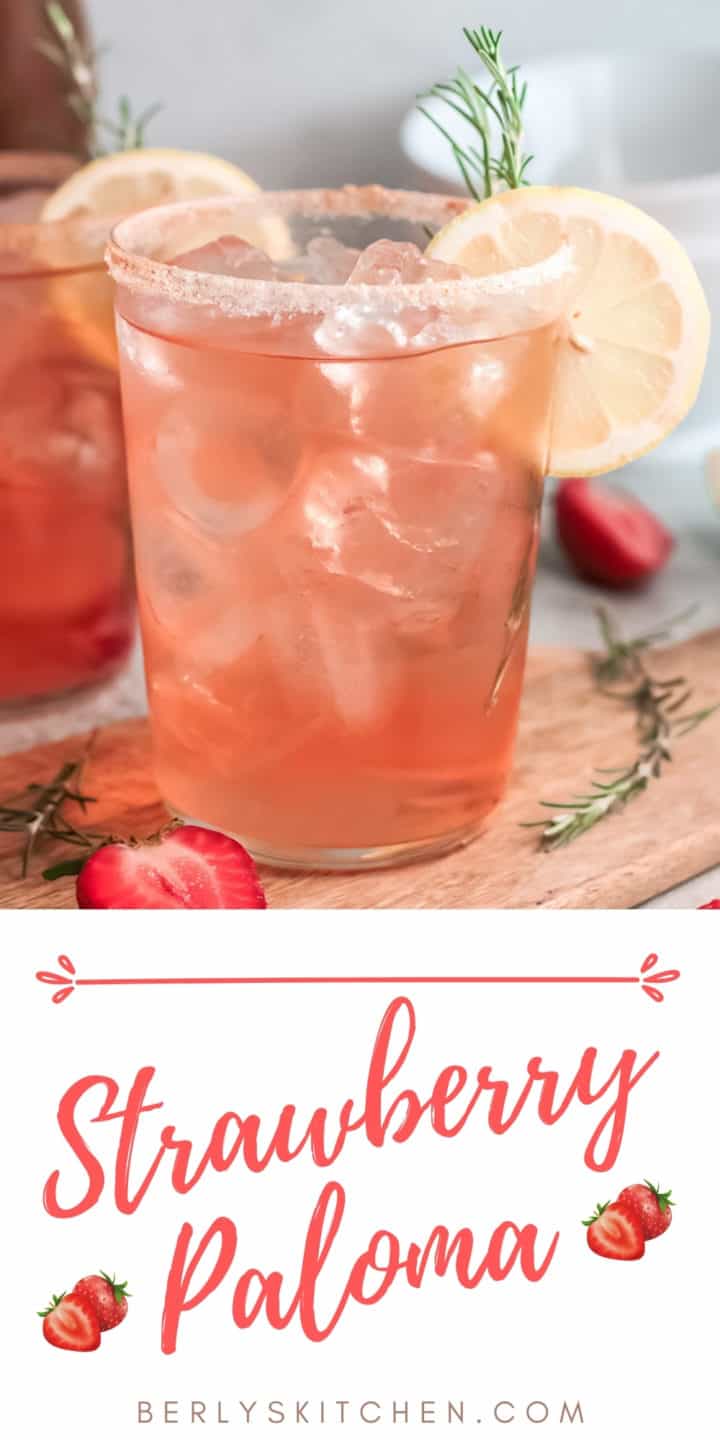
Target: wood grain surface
(661, 839)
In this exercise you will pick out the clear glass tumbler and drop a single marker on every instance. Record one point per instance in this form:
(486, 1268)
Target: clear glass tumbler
(335, 492)
(66, 591)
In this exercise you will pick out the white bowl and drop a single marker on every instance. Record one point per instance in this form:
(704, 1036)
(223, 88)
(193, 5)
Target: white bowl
(645, 127)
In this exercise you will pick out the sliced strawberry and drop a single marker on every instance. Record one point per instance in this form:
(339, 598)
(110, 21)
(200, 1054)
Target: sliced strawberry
(614, 1232)
(651, 1207)
(711, 905)
(610, 537)
(70, 1323)
(107, 1296)
(185, 868)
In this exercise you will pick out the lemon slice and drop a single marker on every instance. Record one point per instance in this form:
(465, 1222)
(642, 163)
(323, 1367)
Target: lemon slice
(632, 349)
(135, 179)
(120, 184)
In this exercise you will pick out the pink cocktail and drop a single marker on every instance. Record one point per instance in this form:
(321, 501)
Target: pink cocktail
(336, 463)
(66, 607)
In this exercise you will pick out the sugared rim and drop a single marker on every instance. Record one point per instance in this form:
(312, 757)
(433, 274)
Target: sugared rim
(135, 239)
(36, 167)
(40, 248)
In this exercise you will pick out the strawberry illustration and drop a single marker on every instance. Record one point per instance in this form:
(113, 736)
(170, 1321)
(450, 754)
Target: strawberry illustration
(186, 867)
(615, 1232)
(107, 1296)
(70, 1323)
(650, 1206)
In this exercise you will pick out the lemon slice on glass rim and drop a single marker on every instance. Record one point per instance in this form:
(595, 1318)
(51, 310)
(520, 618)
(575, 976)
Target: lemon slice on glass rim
(128, 181)
(633, 346)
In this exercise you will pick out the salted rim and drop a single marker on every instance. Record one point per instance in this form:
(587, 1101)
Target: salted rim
(132, 267)
(27, 168)
(37, 249)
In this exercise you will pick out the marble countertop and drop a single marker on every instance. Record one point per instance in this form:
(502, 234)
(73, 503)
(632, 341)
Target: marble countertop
(563, 615)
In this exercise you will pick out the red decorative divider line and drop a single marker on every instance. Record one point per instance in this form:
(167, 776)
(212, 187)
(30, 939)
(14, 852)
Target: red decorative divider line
(66, 984)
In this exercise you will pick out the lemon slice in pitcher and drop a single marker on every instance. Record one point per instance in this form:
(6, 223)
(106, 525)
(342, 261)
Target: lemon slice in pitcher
(134, 180)
(632, 349)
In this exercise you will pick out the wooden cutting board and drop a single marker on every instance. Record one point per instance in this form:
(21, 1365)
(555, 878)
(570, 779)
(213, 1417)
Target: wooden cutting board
(567, 730)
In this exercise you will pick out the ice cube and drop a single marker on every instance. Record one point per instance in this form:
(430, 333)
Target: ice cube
(92, 428)
(205, 597)
(147, 354)
(437, 404)
(375, 326)
(368, 514)
(227, 636)
(258, 611)
(219, 480)
(411, 532)
(174, 572)
(64, 416)
(392, 262)
(229, 255)
(343, 492)
(348, 648)
(327, 261)
(331, 398)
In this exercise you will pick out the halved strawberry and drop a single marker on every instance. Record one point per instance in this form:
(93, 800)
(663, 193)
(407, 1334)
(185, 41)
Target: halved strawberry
(70, 1323)
(107, 1296)
(184, 868)
(651, 1207)
(614, 1232)
(610, 537)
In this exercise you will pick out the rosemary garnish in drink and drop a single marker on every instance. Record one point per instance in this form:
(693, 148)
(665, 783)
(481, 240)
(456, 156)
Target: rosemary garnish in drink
(497, 107)
(662, 718)
(77, 62)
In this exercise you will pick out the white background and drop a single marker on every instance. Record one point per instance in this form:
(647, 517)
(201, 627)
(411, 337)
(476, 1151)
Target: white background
(632, 1342)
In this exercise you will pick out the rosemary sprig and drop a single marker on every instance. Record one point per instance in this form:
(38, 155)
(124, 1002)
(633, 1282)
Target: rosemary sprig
(662, 718)
(37, 813)
(502, 102)
(77, 62)
(67, 52)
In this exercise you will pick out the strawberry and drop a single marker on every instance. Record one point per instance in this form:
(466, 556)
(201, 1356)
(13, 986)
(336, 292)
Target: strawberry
(186, 867)
(614, 1232)
(650, 1206)
(610, 537)
(711, 905)
(70, 1323)
(107, 1297)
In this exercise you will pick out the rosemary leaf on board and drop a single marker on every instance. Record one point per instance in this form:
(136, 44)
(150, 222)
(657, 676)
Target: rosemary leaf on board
(661, 716)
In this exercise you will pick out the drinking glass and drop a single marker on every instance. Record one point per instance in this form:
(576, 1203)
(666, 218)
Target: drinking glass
(335, 490)
(66, 607)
